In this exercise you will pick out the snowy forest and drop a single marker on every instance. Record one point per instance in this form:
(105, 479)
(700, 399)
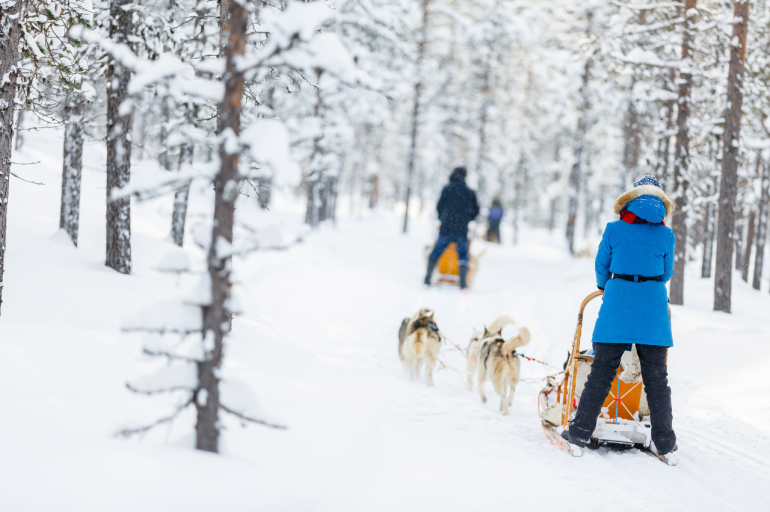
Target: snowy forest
(214, 216)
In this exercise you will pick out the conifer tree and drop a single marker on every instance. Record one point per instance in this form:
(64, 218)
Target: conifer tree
(729, 180)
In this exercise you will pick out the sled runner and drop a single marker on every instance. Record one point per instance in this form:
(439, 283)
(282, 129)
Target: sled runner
(624, 420)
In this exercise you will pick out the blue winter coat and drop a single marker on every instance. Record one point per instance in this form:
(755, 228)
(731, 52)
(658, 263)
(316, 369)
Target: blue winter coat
(456, 207)
(634, 312)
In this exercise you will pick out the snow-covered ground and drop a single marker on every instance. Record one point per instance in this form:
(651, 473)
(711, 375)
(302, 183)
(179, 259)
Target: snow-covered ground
(317, 342)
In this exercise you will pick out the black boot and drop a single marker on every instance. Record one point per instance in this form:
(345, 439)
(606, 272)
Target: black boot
(431, 265)
(463, 277)
(573, 440)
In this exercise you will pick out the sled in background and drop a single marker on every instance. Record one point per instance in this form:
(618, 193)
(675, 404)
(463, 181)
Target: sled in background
(625, 417)
(448, 267)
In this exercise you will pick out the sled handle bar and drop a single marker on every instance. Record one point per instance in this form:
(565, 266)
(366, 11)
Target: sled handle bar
(571, 370)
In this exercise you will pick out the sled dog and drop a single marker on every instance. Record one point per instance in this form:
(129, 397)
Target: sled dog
(419, 343)
(498, 362)
(472, 354)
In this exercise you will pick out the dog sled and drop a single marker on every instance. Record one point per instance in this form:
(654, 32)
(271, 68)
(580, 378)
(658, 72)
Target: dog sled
(448, 266)
(625, 416)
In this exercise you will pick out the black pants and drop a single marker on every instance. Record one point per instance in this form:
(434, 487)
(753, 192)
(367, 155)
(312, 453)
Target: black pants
(493, 231)
(655, 378)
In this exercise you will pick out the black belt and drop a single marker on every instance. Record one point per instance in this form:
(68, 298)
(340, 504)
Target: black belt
(634, 279)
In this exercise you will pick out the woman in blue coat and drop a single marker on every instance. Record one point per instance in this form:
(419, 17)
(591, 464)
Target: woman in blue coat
(633, 265)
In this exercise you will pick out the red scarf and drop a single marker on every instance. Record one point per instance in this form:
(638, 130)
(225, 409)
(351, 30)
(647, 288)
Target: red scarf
(631, 218)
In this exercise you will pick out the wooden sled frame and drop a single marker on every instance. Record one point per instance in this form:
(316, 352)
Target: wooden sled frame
(625, 428)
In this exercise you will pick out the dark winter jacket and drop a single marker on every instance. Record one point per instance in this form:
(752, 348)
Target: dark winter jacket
(457, 206)
(636, 312)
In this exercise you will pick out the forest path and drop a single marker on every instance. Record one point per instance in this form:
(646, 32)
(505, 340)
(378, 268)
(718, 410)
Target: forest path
(363, 433)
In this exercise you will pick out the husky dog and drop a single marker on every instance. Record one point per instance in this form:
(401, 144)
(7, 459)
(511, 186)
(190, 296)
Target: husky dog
(419, 343)
(472, 354)
(498, 362)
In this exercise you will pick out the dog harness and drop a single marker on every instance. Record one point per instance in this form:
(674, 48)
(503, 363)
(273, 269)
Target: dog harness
(489, 350)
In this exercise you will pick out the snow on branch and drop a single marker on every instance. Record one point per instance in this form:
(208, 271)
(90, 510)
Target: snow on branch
(647, 7)
(177, 75)
(154, 181)
(644, 57)
(268, 143)
(165, 380)
(172, 315)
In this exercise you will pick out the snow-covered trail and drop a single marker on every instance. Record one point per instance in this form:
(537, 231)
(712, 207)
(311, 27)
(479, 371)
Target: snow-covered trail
(368, 436)
(317, 342)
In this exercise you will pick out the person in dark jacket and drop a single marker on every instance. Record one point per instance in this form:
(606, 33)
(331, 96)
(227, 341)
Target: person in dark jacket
(634, 262)
(456, 207)
(493, 219)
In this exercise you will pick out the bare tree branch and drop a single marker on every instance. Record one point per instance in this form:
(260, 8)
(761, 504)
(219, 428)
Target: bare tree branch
(251, 420)
(126, 432)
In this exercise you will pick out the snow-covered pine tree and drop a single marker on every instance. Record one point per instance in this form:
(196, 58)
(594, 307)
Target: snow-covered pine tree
(37, 64)
(417, 99)
(682, 153)
(578, 142)
(294, 45)
(729, 178)
(76, 102)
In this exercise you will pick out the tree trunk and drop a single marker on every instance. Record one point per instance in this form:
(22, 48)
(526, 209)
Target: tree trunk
(517, 197)
(632, 142)
(316, 179)
(179, 214)
(19, 137)
(416, 110)
(483, 114)
(224, 31)
(749, 245)
(577, 152)
(588, 204)
(69, 216)
(682, 162)
(661, 167)
(216, 317)
(727, 190)
(554, 179)
(10, 31)
(708, 236)
(374, 193)
(118, 146)
(163, 157)
(600, 209)
(738, 237)
(764, 203)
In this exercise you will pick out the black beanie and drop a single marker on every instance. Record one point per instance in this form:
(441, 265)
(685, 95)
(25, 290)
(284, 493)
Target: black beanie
(458, 174)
